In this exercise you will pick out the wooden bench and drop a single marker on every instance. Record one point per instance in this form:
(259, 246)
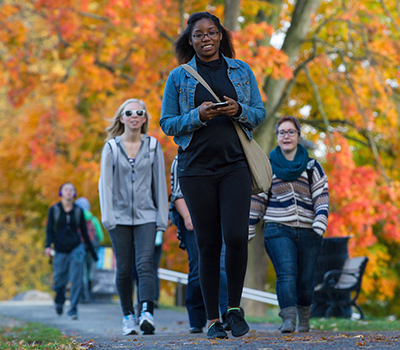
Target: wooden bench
(339, 284)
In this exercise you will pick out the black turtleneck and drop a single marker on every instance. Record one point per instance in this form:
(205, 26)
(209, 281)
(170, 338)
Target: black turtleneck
(214, 148)
(215, 74)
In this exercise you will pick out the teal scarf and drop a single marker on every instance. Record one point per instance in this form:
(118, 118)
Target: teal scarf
(288, 170)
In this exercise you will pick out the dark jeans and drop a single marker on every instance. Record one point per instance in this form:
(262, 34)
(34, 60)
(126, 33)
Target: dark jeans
(219, 205)
(294, 253)
(69, 267)
(126, 239)
(88, 269)
(156, 264)
(194, 298)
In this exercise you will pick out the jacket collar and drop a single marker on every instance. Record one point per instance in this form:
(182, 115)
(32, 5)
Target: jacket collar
(119, 140)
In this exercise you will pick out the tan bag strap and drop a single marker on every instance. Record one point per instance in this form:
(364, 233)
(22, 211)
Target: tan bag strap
(200, 79)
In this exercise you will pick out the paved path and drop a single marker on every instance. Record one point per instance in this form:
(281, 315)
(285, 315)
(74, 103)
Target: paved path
(99, 326)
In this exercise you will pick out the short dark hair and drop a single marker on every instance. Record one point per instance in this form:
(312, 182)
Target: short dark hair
(288, 118)
(184, 51)
(62, 186)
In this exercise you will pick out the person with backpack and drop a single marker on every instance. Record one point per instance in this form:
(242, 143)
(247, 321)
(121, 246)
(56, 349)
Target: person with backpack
(295, 212)
(64, 245)
(134, 206)
(95, 232)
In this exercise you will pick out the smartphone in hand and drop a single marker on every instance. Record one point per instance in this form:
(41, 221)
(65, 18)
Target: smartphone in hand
(220, 104)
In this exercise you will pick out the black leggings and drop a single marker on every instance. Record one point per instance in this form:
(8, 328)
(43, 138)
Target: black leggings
(220, 204)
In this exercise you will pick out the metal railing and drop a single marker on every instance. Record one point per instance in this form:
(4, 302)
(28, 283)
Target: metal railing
(253, 294)
(248, 293)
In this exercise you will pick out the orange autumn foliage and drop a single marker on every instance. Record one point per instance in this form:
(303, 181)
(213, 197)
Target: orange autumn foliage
(368, 210)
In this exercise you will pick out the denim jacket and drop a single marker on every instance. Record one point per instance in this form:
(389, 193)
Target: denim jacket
(179, 117)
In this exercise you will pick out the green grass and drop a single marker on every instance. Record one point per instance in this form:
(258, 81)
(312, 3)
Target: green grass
(324, 324)
(335, 324)
(343, 325)
(33, 336)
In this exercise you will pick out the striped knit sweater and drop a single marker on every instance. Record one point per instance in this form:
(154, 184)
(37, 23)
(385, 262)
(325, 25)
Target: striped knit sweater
(294, 203)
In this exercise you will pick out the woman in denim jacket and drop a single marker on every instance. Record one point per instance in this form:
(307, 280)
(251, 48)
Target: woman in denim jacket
(213, 171)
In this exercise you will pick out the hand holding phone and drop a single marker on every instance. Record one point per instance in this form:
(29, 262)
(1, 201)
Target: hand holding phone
(220, 104)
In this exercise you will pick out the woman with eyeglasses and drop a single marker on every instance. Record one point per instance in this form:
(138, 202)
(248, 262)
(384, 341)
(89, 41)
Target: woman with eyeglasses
(213, 172)
(134, 207)
(295, 211)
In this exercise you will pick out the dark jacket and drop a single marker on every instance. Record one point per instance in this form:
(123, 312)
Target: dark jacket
(64, 232)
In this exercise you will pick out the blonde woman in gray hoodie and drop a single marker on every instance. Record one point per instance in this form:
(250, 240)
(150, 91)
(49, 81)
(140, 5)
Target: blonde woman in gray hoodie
(134, 207)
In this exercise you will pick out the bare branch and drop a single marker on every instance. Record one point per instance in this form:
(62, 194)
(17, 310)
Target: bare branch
(165, 35)
(114, 70)
(93, 16)
(290, 84)
(319, 104)
(389, 14)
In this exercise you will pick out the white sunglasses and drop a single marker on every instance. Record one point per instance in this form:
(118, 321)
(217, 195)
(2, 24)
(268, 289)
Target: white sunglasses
(138, 112)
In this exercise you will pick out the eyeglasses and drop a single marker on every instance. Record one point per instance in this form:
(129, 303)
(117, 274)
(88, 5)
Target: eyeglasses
(138, 112)
(291, 133)
(200, 36)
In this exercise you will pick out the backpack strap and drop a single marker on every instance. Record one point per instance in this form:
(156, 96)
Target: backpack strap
(56, 215)
(310, 170)
(77, 212)
(152, 148)
(114, 151)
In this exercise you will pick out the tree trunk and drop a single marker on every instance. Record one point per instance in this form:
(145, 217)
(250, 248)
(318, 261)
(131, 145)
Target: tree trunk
(256, 276)
(296, 33)
(181, 15)
(231, 12)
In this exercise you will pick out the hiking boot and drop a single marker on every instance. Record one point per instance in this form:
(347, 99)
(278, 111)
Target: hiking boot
(237, 322)
(128, 325)
(303, 314)
(288, 315)
(146, 323)
(216, 331)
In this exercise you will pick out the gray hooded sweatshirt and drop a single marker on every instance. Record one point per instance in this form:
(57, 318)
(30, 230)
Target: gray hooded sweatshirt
(133, 199)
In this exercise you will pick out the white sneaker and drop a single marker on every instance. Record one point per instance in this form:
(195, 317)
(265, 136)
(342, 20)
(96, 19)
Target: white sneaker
(128, 325)
(147, 323)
